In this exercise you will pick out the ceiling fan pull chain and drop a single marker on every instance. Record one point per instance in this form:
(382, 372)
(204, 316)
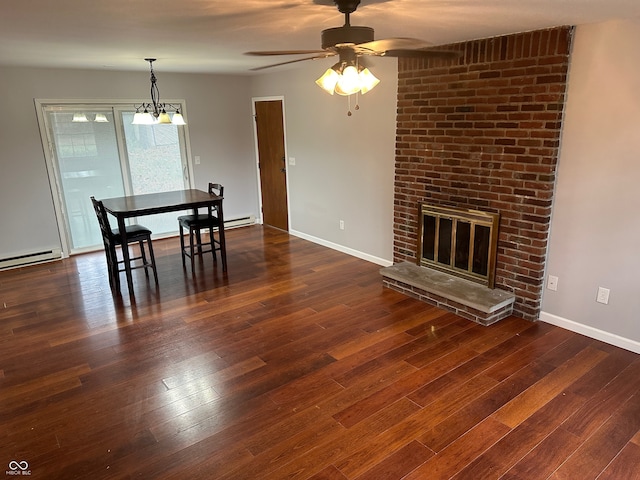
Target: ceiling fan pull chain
(349, 106)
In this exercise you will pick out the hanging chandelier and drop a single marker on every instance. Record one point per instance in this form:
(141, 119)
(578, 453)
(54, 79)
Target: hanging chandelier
(155, 113)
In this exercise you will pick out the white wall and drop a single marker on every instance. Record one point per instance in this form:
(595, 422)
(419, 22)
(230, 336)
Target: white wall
(220, 129)
(595, 230)
(344, 164)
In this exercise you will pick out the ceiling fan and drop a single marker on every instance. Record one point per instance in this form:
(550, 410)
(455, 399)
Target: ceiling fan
(351, 42)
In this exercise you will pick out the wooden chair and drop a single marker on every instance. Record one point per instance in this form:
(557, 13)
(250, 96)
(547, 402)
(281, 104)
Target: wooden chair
(195, 223)
(112, 238)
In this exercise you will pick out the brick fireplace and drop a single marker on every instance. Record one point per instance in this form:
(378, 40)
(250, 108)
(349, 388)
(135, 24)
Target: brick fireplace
(483, 133)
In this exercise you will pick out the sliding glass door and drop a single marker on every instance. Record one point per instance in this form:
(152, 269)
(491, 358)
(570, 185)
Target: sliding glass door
(94, 150)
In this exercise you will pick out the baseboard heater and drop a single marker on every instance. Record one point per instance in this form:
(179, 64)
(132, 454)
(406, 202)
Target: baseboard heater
(24, 259)
(240, 222)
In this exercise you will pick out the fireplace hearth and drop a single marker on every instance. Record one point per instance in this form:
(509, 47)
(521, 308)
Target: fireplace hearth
(456, 261)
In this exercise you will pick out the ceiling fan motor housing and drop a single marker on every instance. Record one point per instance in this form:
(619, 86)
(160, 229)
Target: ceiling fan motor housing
(346, 35)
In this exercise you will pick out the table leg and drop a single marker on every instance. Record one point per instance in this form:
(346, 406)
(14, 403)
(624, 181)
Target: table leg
(125, 253)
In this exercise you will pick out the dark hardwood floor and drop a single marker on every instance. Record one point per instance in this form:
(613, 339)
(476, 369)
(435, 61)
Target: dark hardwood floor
(296, 364)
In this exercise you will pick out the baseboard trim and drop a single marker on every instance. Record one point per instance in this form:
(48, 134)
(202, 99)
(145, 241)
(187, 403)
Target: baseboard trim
(591, 332)
(341, 248)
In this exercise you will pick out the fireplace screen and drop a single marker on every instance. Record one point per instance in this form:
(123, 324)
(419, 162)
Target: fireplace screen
(460, 242)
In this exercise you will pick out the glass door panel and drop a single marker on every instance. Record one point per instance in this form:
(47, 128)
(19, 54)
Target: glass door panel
(88, 164)
(155, 161)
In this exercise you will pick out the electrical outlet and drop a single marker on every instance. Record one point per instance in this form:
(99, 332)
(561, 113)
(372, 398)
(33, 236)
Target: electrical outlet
(292, 160)
(196, 159)
(341, 224)
(552, 283)
(603, 295)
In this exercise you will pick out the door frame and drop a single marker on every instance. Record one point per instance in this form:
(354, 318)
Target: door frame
(254, 100)
(52, 168)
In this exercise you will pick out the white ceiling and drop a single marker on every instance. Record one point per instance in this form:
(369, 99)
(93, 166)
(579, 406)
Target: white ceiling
(211, 35)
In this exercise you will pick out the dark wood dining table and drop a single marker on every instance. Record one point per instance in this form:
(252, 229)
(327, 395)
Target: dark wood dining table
(153, 203)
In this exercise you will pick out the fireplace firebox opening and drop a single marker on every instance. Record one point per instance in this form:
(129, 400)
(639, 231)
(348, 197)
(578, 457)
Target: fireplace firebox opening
(460, 242)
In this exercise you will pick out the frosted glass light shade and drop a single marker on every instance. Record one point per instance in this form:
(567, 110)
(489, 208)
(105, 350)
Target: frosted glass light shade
(101, 118)
(164, 118)
(328, 81)
(79, 117)
(142, 118)
(367, 81)
(178, 119)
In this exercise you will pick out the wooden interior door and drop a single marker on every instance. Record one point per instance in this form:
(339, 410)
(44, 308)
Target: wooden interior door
(272, 163)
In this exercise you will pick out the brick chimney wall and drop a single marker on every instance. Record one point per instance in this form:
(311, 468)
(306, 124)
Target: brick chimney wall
(483, 132)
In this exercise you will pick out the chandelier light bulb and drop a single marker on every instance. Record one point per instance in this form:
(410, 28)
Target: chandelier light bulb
(349, 82)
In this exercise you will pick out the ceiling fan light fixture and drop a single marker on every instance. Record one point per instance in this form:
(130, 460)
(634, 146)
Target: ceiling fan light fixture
(367, 80)
(347, 79)
(328, 80)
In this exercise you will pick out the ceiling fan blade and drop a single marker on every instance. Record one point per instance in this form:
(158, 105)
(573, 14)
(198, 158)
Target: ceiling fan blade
(283, 52)
(443, 54)
(377, 47)
(324, 55)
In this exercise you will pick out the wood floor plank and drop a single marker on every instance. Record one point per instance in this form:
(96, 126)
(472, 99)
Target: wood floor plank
(462, 452)
(296, 363)
(399, 464)
(441, 434)
(517, 443)
(606, 400)
(601, 448)
(527, 403)
(625, 465)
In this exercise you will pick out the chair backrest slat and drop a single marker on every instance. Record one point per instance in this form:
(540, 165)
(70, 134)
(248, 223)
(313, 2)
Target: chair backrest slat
(103, 219)
(215, 189)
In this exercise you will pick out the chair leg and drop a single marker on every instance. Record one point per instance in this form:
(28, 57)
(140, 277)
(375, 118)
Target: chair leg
(191, 233)
(199, 241)
(114, 272)
(212, 240)
(182, 244)
(144, 257)
(153, 260)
